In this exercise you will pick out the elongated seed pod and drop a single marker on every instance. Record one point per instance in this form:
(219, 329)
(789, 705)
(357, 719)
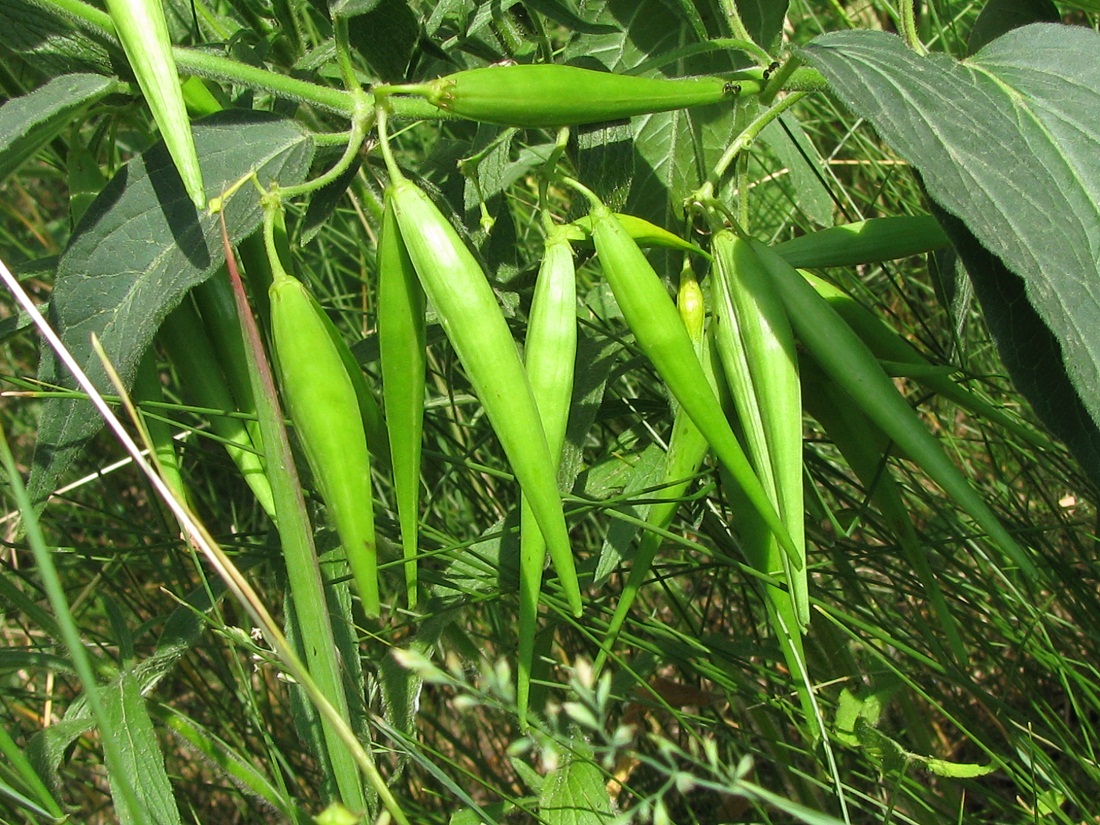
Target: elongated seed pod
(401, 343)
(218, 309)
(753, 329)
(887, 345)
(324, 408)
(551, 95)
(188, 347)
(475, 325)
(147, 388)
(847, 428)
(865, 242)
(143, 32)
(686, 450)
(846, 359)
(652, 317)
(550, 352)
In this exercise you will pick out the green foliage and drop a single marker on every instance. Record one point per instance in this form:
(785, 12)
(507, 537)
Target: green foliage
(825, 565)
(1015, 118)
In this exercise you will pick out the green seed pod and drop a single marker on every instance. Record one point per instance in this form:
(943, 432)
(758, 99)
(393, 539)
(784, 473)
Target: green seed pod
(143, 32)
(846, 359)
(852, 433)
(147, 388)
(475, 325)
(642, 231)
(760, 362)
(650, 313)
(218, 308)
(865, 242)
(401, 343)
(188, 347)
(548, 95)
(323, 405)
(550, 353)
(887, 345)
(686, 450)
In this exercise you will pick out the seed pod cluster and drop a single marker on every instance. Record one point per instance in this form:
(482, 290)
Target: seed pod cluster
(687, 447)
(474, 323)
(757, 351)
(851, 365)
(651, 315)
(185, 340)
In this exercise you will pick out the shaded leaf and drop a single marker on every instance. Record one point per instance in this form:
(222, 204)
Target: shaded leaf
(49, 43)
(138, 250)
(1028, 348)
(1001, 16)
(387, 55)
(797, 153)
(764, 19)
(1007, 143)
(29, 122)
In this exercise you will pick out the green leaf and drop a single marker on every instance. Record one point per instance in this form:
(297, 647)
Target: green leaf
(351, 8)
(764, 19)
(574, 793)
(388, 55)
(672, 151)
(47, 42)
(617, 543)
(1028, 348)
(141, 759)
(954, 770)
(138, 250)
(29, 122)
(1005, 142)
(1001, 16)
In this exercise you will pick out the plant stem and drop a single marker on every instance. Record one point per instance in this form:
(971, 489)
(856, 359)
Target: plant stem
(361, 123)
(778, 80)
(737, 25)
(908, 12)
(343, 53)
(748, 135)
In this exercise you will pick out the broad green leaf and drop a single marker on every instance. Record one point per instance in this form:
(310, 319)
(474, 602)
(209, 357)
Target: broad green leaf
(29, 122)
(764, 19)
(574, 793)
(1007, 143)
(141, 759)
(138, 250)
